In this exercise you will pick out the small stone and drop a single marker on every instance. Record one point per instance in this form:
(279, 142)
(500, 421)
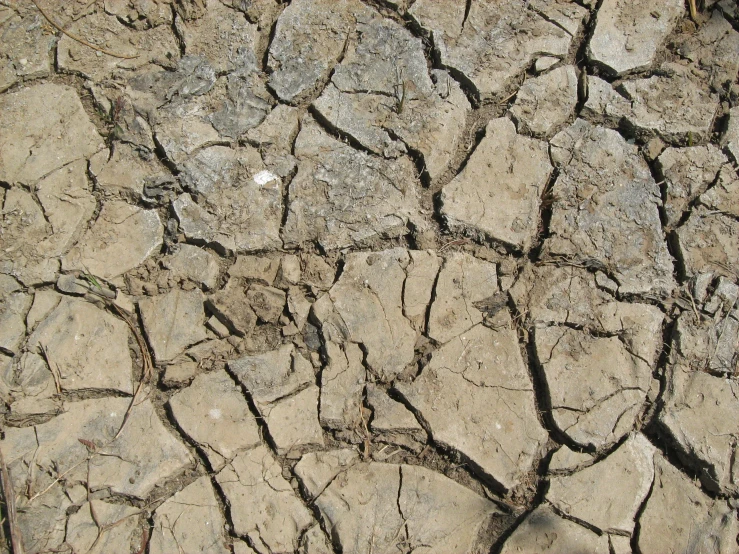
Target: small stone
(214, 414)
(544, 531)
(267, 302)
(232, 308)
(172, 322)
(342, 197)
(627, 36)
(628, 473)
(487, 399)
(463, 280)
(687, 173)
(217, 327)
(179, 374)
(606, 209)
(255, 268)
(122, 238)
(87, 346)
(49, 122)
(543, 104)
(195, 264)
(256, 491)
(498, 192)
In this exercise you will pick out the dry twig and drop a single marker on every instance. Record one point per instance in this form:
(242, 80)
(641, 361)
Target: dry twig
(693, 10)
(15, 535)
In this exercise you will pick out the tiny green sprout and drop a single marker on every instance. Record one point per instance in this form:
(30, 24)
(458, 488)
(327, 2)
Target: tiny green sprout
(90, 278)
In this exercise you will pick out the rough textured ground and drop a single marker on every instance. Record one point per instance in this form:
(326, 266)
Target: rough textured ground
(369, 276)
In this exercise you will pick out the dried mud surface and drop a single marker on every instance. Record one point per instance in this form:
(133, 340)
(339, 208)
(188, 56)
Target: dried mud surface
(364, 276)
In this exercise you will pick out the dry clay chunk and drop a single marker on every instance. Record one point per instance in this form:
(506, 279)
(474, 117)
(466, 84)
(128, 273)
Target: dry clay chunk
(489, 43)
(475, 392)
(342, 197)
(628, 34)
(49, 123)
(499, 189)
(122, 238)
(606, 209)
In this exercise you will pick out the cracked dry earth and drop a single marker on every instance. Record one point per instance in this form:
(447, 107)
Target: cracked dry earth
(355, 276)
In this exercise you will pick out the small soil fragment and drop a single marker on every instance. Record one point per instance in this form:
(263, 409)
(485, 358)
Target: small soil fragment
(543, 104)
(498, 192)
(607, 209)
(215, 415)
(687, 173)
(257, 492)
(628, 35)
(519, 32)
(474, 392)
(679, 517)
(342, 197)
(122, 238)
(173, 322)
(628, 470)
(189, 521)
